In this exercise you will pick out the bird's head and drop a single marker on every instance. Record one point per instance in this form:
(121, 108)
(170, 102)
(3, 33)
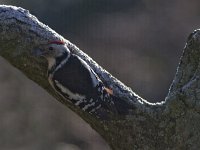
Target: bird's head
(53, 51)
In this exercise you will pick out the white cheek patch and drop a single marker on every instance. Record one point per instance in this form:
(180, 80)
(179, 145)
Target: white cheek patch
(51, 62)
(60, 50)
(68, 92)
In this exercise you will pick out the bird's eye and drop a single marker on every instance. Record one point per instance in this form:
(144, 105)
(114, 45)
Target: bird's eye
(50, 48)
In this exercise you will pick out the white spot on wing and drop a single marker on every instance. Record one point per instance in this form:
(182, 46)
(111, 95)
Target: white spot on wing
(87, 106)
(98, 106)
(93, 110)
(74, 96)
(78, 102)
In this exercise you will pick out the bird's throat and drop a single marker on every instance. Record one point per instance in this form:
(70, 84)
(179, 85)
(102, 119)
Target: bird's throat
(51, 63)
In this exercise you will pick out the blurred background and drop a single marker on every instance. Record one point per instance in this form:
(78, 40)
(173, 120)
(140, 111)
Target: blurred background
(139, 42)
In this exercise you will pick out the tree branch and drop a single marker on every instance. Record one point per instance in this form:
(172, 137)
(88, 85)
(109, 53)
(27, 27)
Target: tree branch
(171, 124)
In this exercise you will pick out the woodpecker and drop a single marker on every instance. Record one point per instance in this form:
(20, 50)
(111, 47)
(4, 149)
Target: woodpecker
(73, 79)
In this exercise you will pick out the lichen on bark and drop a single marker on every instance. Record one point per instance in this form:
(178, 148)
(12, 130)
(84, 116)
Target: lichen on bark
(171, 124)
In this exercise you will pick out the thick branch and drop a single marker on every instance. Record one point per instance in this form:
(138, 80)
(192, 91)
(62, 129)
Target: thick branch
(172, 124)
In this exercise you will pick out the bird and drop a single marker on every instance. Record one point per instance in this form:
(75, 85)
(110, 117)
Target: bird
(73, 79)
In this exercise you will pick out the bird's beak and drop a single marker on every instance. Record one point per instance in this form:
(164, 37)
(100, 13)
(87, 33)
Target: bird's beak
(38, 52)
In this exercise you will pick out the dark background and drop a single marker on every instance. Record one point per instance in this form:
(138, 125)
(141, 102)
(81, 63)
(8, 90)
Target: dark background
(139, 42)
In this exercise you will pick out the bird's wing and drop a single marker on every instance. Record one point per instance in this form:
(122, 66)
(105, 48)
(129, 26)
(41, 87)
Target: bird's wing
(77, 76)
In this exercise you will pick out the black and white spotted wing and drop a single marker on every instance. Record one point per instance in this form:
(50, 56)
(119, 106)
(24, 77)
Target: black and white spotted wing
(77, 81)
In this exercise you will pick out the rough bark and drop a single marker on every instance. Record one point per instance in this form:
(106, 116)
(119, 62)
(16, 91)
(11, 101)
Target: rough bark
(171, 124)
